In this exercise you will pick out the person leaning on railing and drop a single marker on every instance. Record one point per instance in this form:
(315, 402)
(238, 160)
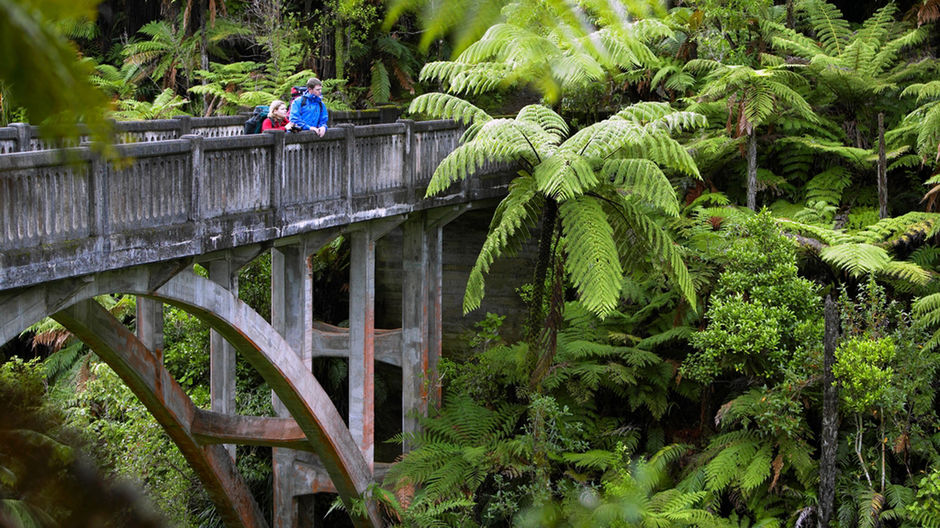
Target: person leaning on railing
(308, 112)
(277, 117)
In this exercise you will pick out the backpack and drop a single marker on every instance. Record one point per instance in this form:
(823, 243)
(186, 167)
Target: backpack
(295, 92)
(253, 125)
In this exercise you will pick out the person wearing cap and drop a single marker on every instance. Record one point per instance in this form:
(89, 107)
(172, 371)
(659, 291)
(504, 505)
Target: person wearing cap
(308, 112)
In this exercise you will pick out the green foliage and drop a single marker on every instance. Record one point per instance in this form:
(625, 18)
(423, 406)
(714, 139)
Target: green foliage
(604, 217)
(863, 366)
(171, 54)
(925, 510)
(458, 449)
(635, 494)
(165, 106)
(45, 478)
(761, 312)
(41, 72)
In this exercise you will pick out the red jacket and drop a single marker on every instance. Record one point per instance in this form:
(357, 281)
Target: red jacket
(267, 124)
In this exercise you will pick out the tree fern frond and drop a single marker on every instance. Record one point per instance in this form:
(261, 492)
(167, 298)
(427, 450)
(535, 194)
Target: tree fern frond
(929, 90)
(661, 247)
(545, 118)
(445, 106)
(645, 180)
(856, 258)
(592, 262)
(906, 271)
(832, 29)
(828, 185)
(564, 176)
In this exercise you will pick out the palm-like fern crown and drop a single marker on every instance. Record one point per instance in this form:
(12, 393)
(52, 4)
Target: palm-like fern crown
(851, 64)
(607, 178)
(549, 47)
(924, 121)
(752, 96)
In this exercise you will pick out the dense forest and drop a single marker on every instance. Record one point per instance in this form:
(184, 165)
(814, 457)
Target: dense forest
(734, 311)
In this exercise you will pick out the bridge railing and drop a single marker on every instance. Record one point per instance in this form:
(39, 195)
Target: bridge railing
(67, 212)
(22, 137)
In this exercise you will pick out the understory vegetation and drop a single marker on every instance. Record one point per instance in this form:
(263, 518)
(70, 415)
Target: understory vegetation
(734, 313)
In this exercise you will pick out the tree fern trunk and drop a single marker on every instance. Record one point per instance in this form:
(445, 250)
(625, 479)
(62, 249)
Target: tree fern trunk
(791, 20)
(752, 170)
(882, 169)
(830, 418)
(548, 337)
(549, 217)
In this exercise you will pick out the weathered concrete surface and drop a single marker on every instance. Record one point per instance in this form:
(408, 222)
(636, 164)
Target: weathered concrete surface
(223, 272)
(144, 374)
(217, 428)
(248, 332)
(74, 215)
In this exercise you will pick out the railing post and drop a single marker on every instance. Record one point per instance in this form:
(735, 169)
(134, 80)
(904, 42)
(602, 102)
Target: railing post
(99, 204)
(185, 124)
(278, 173)
(196, 179)
(22, 136)
(350, 132)
(408, 170)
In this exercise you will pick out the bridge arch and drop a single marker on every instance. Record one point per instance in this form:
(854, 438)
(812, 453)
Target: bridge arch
(247, 331)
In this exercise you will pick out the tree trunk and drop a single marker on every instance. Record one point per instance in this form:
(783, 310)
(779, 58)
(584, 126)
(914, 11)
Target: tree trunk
(752, 170)
(340, 51)
(203, 15)
(830, 418)
(791, 20)
(882, 169)
(549, 216)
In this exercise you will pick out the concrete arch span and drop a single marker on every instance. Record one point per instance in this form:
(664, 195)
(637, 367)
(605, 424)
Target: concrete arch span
(247, 331)
(144, 373)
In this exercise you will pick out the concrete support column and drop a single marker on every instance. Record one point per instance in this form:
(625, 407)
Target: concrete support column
(414, 325)
(150, 325)
(435, 241)
(290, 316)
(362, 341)
(221, 353)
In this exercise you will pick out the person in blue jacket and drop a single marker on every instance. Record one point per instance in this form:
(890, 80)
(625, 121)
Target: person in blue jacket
(308, 112)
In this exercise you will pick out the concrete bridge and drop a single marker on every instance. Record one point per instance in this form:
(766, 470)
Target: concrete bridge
(73, 226)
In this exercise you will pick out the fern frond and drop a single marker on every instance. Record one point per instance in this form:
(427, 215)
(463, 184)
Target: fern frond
(592, 262)
(832, 29)
(645, 180)
(565, 176)
(445, 106)
(660, 246)
(514, 216)
(856, 258)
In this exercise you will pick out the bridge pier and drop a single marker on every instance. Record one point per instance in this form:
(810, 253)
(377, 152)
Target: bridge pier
(291, 304)
(221, 353)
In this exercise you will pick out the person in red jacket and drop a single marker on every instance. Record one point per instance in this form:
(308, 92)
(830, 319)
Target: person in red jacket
(277, 117)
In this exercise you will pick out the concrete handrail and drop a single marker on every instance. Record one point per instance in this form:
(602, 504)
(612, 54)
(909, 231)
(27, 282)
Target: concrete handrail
(22, 137)
(68, 212)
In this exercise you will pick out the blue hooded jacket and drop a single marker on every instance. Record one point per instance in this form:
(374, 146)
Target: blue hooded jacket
(308, 111)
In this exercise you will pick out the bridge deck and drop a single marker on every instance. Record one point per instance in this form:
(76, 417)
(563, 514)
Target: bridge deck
(67, 213)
